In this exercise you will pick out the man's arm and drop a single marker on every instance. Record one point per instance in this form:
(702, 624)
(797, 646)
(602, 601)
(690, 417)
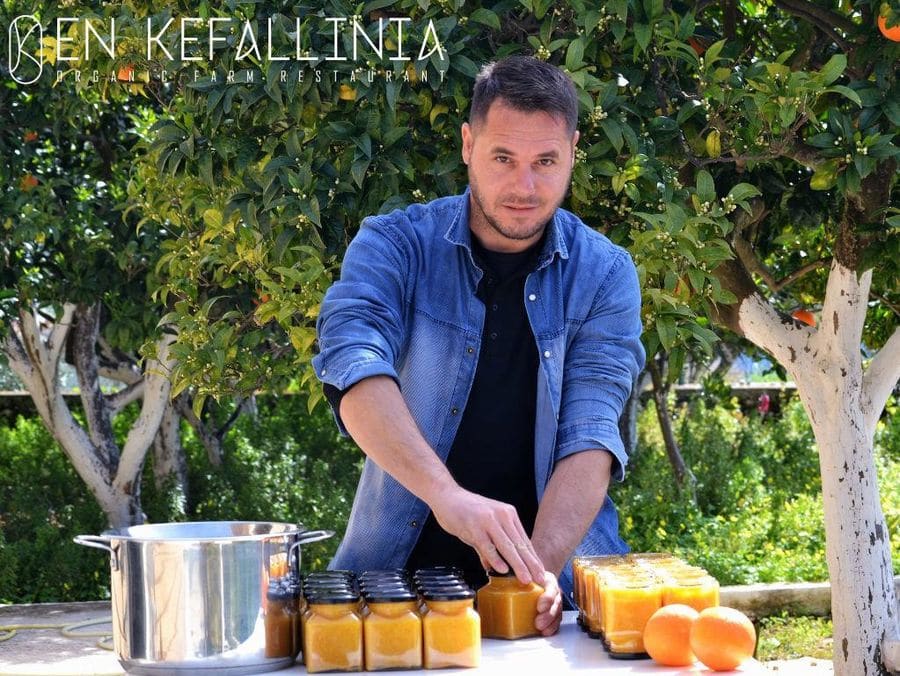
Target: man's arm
(378, 419)
(574, 495)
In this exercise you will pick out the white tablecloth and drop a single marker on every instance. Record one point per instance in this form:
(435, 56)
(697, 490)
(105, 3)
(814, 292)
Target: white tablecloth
(568, 651)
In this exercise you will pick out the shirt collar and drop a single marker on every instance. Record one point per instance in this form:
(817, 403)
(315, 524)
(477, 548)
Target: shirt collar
(459, 233)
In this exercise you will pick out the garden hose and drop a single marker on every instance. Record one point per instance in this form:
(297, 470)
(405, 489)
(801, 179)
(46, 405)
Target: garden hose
(67, 630)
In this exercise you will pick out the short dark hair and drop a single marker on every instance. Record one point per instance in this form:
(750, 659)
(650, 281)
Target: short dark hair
(526, 84)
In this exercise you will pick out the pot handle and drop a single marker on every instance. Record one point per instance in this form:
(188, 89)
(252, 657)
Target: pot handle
(308, 536)
(99, 542)
(305, 537)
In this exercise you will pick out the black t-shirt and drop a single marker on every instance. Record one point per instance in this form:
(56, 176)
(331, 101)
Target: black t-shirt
(493, 452)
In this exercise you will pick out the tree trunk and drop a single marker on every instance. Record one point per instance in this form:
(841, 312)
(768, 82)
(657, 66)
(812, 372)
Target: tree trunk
(34, 348)
(683, 474)
(169, 462)
(630, 412)
(843, 403)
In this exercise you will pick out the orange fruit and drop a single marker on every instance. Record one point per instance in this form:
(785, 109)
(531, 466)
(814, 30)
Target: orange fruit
(722, 638)
(892, 33)
(125, 73)
(28, 183)
(667, 635)
(804, 316)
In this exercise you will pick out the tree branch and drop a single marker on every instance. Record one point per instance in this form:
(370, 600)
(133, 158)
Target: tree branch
(880, 379)
(84, 344)
(754, 318)
(56, 343)
(823, 19)
(117, 365)
(844, 307)
(801, 272)
(156, 393)
(118, 400)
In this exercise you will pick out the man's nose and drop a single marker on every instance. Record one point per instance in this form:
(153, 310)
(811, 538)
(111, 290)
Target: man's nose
(524, 179)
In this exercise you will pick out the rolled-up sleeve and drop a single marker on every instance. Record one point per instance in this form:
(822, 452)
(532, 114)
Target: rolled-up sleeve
(360, 324)
(601, 366)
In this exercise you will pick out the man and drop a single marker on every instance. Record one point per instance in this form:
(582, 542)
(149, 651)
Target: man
(479, 349)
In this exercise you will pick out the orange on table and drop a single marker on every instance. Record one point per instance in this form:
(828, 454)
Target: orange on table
(667, 635)
(722, 638)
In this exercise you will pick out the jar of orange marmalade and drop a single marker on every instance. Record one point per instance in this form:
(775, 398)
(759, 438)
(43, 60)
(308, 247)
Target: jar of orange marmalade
(507, 607)
(332, 632)
(392, 630)
(280, 620)
(451, 628)
(627, 603)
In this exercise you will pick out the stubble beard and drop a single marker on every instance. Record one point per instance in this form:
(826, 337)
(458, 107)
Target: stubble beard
(509, 232)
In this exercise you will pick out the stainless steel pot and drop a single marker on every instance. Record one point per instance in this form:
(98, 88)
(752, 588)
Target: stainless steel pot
(190, 598)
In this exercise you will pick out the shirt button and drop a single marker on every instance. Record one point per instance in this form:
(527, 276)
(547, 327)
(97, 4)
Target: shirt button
(494, 307)
(324, 371)
(470, 349)
(414, 523)
(532, 297)
(494, 335)
(547, 354)
(454, 410)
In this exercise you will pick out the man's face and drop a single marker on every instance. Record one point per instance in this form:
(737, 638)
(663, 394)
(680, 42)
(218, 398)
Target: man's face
(519, 165)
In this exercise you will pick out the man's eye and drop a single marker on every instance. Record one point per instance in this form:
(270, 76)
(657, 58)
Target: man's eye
(503, 159)
(546, 162)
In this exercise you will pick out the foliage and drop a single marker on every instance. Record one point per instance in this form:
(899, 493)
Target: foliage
(758, 515)
(762, 525)
(43, 504)
(285, 465)
(785, 638)
(685, 136)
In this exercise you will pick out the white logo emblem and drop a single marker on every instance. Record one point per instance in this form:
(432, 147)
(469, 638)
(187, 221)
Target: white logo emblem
(19, 53)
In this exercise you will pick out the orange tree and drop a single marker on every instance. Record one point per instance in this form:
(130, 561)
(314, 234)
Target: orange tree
(744, 152)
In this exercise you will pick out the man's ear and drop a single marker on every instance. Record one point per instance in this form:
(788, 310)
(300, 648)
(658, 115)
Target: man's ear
(467, 142)
(575, 138)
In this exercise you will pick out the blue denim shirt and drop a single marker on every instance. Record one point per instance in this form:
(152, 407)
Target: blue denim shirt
(405, 307)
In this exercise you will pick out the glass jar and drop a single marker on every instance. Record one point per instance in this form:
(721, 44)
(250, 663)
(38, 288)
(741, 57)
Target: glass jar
(507, 607)
(280, 619)
(332, 632)
(696, 591)
(628, 602)
(392, 631)
(451, 629)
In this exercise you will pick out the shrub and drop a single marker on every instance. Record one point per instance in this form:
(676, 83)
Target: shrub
(758, 514)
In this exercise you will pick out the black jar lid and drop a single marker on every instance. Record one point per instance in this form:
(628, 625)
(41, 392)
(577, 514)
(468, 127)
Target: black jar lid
(509, 573)
(458, 593)
(332, 597)
(391, 596)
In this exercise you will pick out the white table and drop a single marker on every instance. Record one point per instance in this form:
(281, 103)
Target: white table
(570, 650)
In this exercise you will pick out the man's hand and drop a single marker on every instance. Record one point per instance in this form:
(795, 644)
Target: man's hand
(492, 529)
(549, 606)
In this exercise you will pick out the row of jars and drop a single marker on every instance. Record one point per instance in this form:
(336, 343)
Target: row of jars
(616, 595)
(381, 620)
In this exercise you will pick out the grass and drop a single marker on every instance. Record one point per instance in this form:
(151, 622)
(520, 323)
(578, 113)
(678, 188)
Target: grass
(785, 638)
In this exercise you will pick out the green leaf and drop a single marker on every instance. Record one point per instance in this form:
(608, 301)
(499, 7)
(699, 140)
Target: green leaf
(825, 175)
(213, 218)
(742, 191)
(642, 35)
(485, 17)
(706, 187)
(613, 132)
(665, 329)
(575, 54)
(833, 69)
(847, 92)
(712, 53)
